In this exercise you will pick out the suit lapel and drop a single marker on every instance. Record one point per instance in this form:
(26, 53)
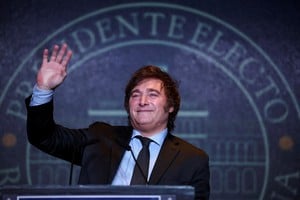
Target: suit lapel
(168, 153)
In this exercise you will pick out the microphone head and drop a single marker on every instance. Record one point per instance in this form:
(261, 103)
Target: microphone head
(123, 145)
(126, 147)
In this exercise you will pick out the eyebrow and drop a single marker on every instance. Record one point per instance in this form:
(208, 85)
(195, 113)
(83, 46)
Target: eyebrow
(147, 90)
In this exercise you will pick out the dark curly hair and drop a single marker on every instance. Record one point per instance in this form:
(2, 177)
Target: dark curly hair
(170, 85)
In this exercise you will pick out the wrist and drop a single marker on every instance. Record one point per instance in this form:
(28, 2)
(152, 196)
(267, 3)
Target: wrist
(43, 87)
(40, 96)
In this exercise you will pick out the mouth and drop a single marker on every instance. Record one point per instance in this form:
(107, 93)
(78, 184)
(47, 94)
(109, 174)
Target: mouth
(144, 111)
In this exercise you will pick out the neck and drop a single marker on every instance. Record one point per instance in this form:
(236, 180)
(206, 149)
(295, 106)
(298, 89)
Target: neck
(147, 133)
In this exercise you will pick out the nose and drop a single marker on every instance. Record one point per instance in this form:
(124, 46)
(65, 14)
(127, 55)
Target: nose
(144, 100)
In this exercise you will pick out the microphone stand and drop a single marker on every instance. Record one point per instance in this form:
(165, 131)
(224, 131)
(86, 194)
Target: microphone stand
(128, 148)
(71, 171)
(138, 165)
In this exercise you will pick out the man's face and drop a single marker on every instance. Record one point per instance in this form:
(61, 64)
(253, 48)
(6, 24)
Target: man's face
(148, 107)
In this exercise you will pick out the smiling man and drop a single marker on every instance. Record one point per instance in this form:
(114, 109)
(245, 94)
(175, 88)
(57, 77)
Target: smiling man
(148, 109)
(107, 153)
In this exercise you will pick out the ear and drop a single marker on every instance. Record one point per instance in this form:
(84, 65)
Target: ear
(171, 109)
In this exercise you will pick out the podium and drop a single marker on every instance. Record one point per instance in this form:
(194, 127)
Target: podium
(97, 192)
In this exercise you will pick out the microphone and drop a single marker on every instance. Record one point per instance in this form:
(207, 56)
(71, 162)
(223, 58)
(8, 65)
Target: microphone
(124, 146)
(139, 167)
(128, 148)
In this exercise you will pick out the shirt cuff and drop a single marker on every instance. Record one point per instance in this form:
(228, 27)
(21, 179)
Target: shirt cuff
(40, 96)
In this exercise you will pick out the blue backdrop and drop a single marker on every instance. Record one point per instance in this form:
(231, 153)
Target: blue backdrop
(238, 64)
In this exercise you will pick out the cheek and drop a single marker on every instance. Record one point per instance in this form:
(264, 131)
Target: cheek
(131, 105)
(130, 102)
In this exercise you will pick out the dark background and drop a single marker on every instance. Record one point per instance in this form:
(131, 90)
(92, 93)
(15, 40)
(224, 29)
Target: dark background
(229, 123)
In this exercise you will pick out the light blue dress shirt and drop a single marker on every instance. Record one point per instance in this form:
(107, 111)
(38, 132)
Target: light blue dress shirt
(125, 171)
(40, 96)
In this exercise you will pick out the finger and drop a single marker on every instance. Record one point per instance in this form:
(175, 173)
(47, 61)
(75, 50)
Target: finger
(61, 53)
(67, 58)
(54, 52)
(45, 56)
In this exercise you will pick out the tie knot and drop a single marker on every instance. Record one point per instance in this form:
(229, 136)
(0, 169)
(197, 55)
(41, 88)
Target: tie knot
(144, 140)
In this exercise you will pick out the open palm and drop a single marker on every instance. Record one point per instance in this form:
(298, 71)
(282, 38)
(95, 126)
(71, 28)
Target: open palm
(54, 70)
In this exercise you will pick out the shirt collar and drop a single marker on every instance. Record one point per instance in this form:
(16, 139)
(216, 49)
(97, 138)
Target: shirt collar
(157, 138)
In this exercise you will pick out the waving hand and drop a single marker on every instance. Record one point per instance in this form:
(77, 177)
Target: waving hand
(53, 71)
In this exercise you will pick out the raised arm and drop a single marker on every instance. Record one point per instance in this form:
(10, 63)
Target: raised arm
(42, 131)
(53, 70)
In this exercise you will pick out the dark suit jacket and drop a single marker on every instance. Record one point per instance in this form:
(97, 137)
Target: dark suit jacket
(99, 149)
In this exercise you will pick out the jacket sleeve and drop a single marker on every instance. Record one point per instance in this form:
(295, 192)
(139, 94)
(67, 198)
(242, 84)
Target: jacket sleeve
(51, 138)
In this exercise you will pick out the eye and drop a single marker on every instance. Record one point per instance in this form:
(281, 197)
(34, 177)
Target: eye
(135, 95)
(153, 94)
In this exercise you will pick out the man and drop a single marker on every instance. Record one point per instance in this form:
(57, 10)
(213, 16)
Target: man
(107, 153)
